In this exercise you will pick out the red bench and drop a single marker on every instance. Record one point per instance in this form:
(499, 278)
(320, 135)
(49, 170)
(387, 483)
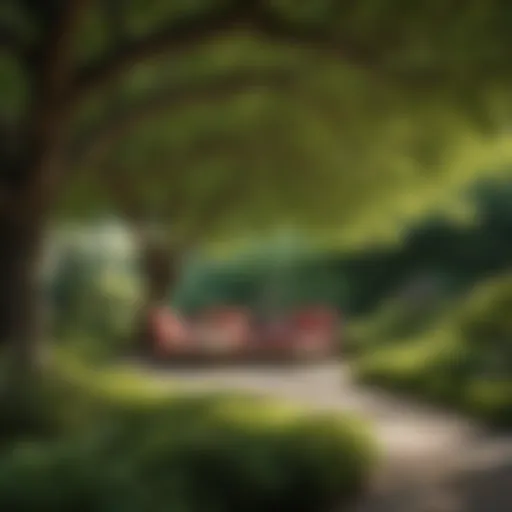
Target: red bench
(170, 332)
(222, 329)
(231, 331)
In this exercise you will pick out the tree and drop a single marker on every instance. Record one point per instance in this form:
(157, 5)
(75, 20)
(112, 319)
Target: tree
(188, 195)
(60, 59)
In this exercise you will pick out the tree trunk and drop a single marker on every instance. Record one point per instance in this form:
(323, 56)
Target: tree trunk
(159, 266)
(20, 317)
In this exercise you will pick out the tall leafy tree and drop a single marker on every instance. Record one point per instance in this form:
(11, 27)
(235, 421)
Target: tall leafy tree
(62, 60)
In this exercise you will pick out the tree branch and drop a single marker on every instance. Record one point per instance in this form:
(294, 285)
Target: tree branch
(256, 17)
(96, 141)
(252, 15)
(164, 42)
(264, 23)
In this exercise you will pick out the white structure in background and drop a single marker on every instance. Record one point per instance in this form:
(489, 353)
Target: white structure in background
(107, 237)
(107, 242)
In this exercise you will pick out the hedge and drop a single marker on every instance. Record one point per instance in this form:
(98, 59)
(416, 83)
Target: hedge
(447, 376)
(211, 453)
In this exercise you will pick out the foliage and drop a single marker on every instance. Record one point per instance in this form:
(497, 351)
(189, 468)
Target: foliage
(463, 361)
(263, 277)
(160, 452)
(485, 320)
(419, 371)
(397, 320)
(454, 252)
(214, 118)
(217, 110)
(94, 295)
(463, 357)
(438, 248)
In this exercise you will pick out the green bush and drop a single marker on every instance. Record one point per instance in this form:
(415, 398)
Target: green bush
(396, 322)
(491, 400)
(485, 324)
(94, 302)
(443, 370)
(464, 362)
(212, 453)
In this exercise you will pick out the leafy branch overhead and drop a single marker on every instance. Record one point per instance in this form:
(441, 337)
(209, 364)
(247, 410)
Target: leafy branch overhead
(70, 57)
(101, 136)
(390, 48)
(363, 34)
(89, 93)
(176, 37)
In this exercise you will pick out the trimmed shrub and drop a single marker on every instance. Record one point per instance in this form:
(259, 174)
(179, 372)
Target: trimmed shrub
(448, 375)
(465, 362)
(211, 453)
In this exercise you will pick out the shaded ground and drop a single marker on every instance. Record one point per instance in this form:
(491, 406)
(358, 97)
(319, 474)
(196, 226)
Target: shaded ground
(434, 461)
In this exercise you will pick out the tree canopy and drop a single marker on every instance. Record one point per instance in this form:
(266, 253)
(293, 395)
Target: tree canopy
(318, 113)
(325, 107)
